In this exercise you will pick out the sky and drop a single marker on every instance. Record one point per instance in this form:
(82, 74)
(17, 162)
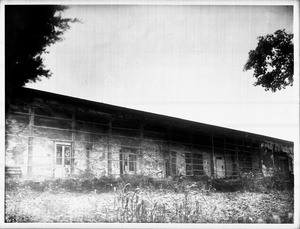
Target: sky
(180, 61)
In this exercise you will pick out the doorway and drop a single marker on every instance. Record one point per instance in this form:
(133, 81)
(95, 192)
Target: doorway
(63, 160)
(220, 167)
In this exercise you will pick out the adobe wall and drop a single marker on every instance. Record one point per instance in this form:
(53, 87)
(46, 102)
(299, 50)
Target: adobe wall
(90, 151)
(153, 156)
(98, 154)
(16, 141)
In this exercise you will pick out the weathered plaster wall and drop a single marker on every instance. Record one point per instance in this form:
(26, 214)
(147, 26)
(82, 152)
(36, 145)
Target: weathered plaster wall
(267, 162)
(153, 155)
(99, 154)
(98, 158)
(90, 152)
(16, 141)
(43, 150)
(81, 160)
(115, 158)
(16, 153)
(42, 157)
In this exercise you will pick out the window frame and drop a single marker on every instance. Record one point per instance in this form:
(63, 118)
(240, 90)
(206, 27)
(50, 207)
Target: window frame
(63, 145)
(171, 163)
(128, 157)
(192, 164)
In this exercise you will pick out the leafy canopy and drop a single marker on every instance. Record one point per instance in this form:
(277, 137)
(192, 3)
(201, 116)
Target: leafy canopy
(273, 61)
(29, 29)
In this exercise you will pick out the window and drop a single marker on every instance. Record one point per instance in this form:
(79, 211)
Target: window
(63, 160)
(63, 154)
(171, 164)
(194, 164)
(132, 163)
(128, 161)
(244, 159)
(59, 155)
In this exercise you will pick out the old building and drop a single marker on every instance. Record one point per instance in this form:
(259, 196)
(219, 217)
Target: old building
(50, 135)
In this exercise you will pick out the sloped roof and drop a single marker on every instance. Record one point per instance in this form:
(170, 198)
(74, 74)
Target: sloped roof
(27, 93)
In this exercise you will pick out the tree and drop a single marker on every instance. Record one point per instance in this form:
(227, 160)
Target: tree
(273, 61)
(29, 29)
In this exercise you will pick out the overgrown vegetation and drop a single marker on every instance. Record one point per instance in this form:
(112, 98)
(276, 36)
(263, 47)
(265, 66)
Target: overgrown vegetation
(177, 184)
(109, 183)
(145, 200)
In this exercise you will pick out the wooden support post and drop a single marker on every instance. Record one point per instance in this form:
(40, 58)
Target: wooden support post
(191, 151)
(273, 159)
(252, 170)
(236, 158)
(109, 156)
(73, 127)
(243, 155)
(30, 143)
(169, 152)
(260, 158)
(224, 148)
(212, 161)
(141, 148)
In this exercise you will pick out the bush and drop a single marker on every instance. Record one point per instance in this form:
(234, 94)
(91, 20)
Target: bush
(176, 184)
(102, 184)
(11, 185)
(183, 184)
(221, 185)
(267, 184)
(137, 180)
(18, 218)
(252, 184)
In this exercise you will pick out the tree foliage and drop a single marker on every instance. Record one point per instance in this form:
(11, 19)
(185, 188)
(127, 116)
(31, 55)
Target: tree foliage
(29, 29)
(273, 61)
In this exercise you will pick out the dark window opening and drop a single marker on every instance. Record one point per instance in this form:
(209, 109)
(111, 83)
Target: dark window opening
(194, 165)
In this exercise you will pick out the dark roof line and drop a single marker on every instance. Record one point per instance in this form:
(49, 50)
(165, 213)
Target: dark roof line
(144, 113)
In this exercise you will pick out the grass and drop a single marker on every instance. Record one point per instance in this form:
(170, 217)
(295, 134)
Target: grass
(147, 205)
